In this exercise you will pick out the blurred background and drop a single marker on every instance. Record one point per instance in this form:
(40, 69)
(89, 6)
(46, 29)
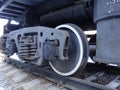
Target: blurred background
(2, 23)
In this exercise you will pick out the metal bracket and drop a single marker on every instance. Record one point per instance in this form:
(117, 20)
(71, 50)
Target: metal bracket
(31, 43)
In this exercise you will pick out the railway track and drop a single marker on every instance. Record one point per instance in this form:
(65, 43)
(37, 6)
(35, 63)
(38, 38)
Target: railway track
(13, 78)
(93, 77)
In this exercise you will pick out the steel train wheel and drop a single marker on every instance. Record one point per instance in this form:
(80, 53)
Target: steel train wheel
(78, 52)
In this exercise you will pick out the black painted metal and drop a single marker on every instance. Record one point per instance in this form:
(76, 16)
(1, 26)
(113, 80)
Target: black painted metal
(50, 12)
(106, 9)
(70, 82)
(53, 5)
(12, 8)
(76, 13)
(92, 46)
(107, 18)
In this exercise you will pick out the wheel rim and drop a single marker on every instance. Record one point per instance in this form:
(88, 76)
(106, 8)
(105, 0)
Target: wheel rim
(77, 56)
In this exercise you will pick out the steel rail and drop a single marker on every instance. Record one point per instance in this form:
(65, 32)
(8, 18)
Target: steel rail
(69, 82)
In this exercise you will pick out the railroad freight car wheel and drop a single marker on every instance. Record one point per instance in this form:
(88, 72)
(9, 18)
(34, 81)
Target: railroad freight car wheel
(78, 52)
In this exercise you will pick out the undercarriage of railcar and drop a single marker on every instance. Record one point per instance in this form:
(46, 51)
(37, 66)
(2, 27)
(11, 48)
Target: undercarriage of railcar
(53, 32)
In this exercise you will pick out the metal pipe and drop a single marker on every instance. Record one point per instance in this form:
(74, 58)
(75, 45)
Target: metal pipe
(77, 13)
(92, 48)
(53, 5)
